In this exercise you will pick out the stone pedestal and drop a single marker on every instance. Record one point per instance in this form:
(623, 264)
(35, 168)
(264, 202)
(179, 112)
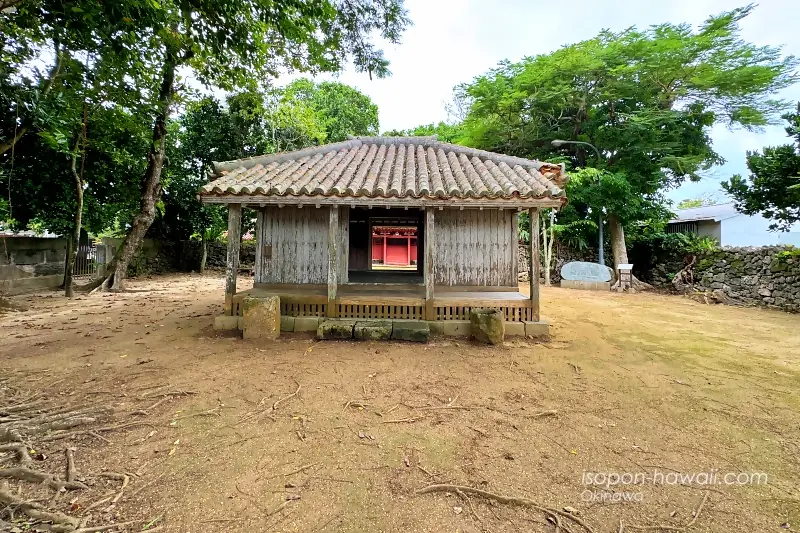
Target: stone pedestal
(488, 325)
(262, 317)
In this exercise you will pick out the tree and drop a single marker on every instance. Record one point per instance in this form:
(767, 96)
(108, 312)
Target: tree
(703, 200)
(341, 110)
(223, 44)
(773, 188)
(250, 122)
(690, 203)
(645, 98)
(445, 132)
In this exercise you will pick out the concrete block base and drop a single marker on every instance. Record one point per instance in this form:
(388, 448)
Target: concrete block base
(262, 317)
(515, 329)
(411, 330)
(287, 323)
(586, 285)
(335, 329)
(226, 323)
(539, 329)
(377, 330)
(306, 323)
(451, 328)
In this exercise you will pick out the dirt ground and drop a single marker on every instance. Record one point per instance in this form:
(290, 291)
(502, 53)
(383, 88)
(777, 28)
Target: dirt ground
(629, 384)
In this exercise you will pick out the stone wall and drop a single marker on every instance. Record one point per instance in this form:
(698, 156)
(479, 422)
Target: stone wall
(767, 276)
(158, 257)
(30, 263)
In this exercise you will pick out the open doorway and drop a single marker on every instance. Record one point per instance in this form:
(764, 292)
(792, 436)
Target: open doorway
(394, 248)
(385, 246)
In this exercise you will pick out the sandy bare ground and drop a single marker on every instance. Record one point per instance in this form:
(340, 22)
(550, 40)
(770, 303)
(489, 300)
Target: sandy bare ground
(638, 384)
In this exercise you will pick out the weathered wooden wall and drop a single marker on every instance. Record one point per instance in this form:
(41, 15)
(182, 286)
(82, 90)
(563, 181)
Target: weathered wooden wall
(299, 245)
(475, 247)
(292, 245)
(472, 247)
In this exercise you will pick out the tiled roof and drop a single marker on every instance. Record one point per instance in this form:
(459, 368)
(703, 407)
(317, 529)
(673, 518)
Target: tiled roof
(388, 167)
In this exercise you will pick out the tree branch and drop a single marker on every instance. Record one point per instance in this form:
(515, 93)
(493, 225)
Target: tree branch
(54, 72)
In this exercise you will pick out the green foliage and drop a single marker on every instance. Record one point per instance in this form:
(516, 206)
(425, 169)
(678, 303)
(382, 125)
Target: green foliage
(690, 203)
(249, 123)
(340, 110)
(449, 133)
(112, 62)
(773, 188)
(645, 98)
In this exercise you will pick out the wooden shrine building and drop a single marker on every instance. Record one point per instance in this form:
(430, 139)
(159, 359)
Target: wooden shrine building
(317, 210)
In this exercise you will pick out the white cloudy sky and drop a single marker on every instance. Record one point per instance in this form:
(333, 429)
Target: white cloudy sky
(454, 40)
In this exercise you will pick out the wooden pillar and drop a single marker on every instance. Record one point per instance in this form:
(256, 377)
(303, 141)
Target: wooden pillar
(408, 250)
(534, 264)
(232, 264)
(428, 258)
(333, 260)
(384, 250)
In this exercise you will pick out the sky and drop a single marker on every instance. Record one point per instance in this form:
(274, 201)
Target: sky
(453, 41)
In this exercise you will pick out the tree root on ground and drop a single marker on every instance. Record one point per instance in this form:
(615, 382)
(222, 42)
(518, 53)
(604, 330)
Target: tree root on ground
(510, 500)
(29, 420)
(38, 512)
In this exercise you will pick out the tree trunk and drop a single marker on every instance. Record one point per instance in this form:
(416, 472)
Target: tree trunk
(620, 253)
(74, 242)
(151, 187)
(204, 257)
(618, 249)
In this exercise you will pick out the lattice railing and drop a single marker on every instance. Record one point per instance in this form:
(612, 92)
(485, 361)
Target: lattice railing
(390, 312)
(303, 309)
(461, 312)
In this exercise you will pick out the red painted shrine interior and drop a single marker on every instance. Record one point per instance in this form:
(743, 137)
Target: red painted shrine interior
(394, 247)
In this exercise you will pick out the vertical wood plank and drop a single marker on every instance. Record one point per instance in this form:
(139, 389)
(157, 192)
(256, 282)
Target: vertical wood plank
(430, 262)
(333, 258)
(514, 245)
(232, 263)
(344, 251)
(258, 267)
(534, 266)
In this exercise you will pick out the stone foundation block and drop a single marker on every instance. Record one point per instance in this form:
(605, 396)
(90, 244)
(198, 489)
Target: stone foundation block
(261, 317)
(586, 285)
(411, 330)
(226, 323)
(488, 325)
(306, 323)
(539, 329)
(378, 330)
(451, 328)
(515, 329)
(335, 329)
(287, 323)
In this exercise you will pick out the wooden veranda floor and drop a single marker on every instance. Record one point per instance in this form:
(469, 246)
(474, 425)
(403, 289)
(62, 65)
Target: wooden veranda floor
(392, 301)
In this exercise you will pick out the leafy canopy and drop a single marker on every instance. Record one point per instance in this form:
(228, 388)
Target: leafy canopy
(773, 188)
(341, 110)
(645, 98)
